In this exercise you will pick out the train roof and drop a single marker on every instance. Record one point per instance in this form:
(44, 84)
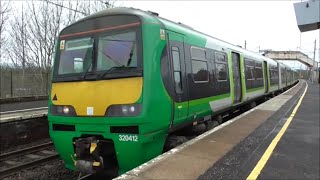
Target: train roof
(152, 17)
(143, 15)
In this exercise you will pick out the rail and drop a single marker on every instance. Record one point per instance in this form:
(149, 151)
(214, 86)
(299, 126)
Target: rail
(29, 163)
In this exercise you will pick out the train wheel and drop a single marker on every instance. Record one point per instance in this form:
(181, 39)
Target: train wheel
(174, 141)
(253, 104)
(217, 119)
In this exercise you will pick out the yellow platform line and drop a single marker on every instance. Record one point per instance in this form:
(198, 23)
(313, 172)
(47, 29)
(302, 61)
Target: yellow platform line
(262, 162)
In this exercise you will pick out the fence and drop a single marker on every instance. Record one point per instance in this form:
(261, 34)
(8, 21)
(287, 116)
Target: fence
(18, 83)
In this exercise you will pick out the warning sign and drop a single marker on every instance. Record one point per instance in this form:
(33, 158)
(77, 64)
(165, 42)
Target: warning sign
(162, 34)
(62, 44)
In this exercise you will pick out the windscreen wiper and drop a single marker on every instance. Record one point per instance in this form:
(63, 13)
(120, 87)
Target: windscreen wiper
(92, 58)
(108, 70)
(115, 61)
(87, 70)
(113, 68)
(131, 49)
(130, 55)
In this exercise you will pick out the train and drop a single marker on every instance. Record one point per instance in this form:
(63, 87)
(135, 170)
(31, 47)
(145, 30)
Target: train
(124, 80)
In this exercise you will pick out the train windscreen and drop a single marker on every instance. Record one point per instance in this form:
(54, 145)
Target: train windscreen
(99, 52)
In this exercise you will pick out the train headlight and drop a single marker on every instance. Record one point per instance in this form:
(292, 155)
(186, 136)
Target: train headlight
(66, 110)
(132, 109)
(124, 110)
(59, 109)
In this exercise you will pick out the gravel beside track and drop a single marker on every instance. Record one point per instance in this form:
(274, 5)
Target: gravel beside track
(53, 170)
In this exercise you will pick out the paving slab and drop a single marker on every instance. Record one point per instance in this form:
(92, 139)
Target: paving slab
(195, 158)
(297, 154)
(4, 118)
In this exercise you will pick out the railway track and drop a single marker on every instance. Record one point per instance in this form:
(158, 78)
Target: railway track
(26, 158)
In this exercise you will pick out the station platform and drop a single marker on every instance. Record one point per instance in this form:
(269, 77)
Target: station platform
(278, 139)
(28, 107)
(17, 115)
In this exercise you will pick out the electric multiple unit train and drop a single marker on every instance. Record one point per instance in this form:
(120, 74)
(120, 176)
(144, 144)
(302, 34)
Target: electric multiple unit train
(125, 79)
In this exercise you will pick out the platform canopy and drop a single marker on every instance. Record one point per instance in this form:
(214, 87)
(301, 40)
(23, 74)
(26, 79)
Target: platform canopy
(308, 15)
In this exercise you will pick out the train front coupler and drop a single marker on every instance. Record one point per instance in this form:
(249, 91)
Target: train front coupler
(88, 158)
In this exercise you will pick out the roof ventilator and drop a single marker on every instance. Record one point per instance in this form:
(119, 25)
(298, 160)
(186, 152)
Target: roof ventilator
(153, 13)
(184, 25)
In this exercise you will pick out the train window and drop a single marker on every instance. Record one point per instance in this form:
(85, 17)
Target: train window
(117, 50)
(199, 71)
(221, 66)
(258, 64)
(275, 74)
(176, 60)
(221, 70)
(249, 69)
(249, 72)
(177, 81)
(76, 57)
(198, 53)
(176, 69)
(220, 57)
(283, 75)
(258, 72)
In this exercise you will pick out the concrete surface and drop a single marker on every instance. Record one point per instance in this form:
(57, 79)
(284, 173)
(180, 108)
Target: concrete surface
(240, 161)
(198, 157)
(22, 99)
(23, 105)
(4, 118)
(297, 154)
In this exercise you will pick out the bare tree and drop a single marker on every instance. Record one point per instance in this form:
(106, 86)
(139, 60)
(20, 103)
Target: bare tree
(4, 16)
(33, 32)
(89, 7)
(33, 43)
(18, 36)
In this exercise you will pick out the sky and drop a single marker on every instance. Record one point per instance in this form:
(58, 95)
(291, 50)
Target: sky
(265, 24)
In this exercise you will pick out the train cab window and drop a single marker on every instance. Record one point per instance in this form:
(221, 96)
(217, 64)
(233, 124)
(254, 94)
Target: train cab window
(117, 50)
(76, 56)
(199, 65)
(176, 69)
(258, 70)
(221, 66)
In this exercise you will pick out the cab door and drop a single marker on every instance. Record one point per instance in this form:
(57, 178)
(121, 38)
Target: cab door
(180, 102)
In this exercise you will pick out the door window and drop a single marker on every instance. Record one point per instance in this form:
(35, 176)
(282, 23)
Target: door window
(176, 69)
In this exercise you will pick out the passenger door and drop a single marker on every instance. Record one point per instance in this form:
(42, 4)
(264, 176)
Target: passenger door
(236, 77)
(178, 68)
(266, 82)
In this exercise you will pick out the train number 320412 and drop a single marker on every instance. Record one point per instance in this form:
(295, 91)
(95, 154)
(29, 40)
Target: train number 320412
(133, 138)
